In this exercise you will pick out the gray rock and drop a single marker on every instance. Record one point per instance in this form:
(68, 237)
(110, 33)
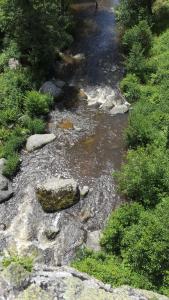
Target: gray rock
(84, 191)
(49, 87)
(38, 140)
(5, 189)
(57, 193)
(93, 239)
(109, 104)
(5, 195)
(120, 109)
(59, 83)
(51, 283)
(3, 183)
(2, 164)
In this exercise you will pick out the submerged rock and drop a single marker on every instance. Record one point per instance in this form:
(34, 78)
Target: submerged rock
(57, 193)
(50, 87)
(38, 140)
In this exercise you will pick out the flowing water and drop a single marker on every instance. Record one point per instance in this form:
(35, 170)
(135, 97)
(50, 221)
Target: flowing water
(89, 144)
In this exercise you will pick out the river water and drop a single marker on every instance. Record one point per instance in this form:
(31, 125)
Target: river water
(89, 147)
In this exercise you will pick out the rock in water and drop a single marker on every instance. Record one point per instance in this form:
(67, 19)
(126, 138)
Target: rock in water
(120, 109)
(38, 140)
(57, 193)
(49, 87)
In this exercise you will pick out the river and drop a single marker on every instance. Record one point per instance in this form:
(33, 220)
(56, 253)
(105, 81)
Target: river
(89, 149)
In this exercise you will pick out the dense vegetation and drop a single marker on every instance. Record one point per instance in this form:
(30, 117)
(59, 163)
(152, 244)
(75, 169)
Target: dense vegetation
(135, 241)
(31, 33)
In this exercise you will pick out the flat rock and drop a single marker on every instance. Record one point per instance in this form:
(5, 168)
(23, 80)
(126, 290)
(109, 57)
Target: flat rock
(49, 87)
(38, 140)
(57, 193)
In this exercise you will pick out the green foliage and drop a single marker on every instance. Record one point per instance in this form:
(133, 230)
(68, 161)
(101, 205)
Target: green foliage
(145, 176)
(33, 125)
(10, 52)
(136, 62)
(13, 144)
(108, 269)
(37, 104)
(26, 262)
(12, 165)
(39, 29)
(145, 245)
(117, 226)
(131, 88)
(138, 34)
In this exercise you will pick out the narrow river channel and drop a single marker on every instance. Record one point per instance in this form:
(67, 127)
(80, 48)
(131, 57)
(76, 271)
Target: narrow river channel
(89, 147)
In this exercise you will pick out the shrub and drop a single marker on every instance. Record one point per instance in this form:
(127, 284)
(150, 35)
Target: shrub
(37, 104)
(138, 34)
(26, 262)
(145, 176)
(8, 116)
(109, 269)
(136, 62)
(119, 222)
(145, 245)
(33, 125)
(131, 88)
(12, 165)
(13, 144)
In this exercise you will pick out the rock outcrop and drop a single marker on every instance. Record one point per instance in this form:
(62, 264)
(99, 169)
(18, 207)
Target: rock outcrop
(5, 184)
(45, 283)
(57, 193)
(38, 140)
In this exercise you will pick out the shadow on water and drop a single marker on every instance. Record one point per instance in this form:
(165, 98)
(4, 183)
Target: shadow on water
(98, 40)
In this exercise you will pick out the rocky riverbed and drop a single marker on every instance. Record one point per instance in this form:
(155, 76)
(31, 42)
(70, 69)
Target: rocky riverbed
(86, 145)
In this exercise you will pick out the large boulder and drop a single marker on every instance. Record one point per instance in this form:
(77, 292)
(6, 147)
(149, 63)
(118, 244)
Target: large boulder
(50, 87)
(38, 140)
(57, 193)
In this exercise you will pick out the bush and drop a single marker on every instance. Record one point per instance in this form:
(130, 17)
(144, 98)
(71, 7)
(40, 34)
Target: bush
(13, 144)
(139, 34)
(26, 262)
(37, 104)
(145, 245)
(12, 165)
(119, 222)
(145, 176)
(131, 88)
(109, 269)
(136, 62)
(33, 125)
